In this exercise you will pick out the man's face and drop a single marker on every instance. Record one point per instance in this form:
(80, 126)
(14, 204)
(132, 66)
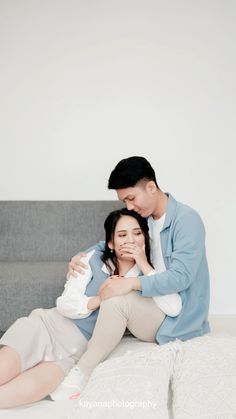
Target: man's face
(139, 198)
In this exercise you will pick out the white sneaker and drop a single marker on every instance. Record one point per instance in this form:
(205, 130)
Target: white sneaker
(71, 387)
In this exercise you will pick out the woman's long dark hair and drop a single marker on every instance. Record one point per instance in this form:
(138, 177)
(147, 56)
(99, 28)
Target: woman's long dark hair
(110, 225)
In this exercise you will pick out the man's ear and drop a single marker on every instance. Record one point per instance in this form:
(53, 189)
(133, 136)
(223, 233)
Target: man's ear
(151, 186)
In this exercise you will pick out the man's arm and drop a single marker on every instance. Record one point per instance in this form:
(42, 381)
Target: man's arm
(188, 251)
(77, 265)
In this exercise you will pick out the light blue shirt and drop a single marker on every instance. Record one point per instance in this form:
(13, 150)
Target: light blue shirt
(183, 248)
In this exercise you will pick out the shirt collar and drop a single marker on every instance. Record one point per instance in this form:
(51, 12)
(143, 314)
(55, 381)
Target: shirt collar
(170, 210)
(134, 271)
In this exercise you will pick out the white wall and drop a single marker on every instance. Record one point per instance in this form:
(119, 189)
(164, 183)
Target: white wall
(85, 83)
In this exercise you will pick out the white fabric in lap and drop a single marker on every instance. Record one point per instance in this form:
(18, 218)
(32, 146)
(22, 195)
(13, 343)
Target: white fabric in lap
(170, 304)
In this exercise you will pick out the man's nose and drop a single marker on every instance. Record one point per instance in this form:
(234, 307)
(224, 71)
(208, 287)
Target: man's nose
(129, 206)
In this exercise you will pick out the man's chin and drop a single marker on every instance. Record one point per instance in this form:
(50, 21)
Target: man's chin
(143, 213)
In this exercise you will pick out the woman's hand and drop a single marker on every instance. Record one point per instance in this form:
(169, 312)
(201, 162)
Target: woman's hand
(138, 254)
(94, 303)
(76, 265)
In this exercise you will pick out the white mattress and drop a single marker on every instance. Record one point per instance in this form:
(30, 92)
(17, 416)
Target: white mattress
(47, 409)
(44, 409)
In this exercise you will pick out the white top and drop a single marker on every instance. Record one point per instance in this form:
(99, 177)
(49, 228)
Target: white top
(155, 227)
(73, 303)
(171, 304)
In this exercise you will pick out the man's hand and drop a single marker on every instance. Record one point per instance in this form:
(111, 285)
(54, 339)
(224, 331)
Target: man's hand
(76, 265)
(117, 285)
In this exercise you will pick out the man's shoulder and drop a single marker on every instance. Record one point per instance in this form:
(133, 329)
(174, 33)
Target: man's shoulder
(188, 220)
(184, 209)
(185, 213)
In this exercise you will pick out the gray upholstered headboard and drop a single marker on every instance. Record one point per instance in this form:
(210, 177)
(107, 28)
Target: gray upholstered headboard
(37, 239)
(50, 230)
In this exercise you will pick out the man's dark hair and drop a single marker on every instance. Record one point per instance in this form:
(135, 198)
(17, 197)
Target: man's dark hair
(130, 171)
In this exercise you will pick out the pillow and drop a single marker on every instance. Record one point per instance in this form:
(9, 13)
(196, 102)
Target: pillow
(134, 385)
(204, 378)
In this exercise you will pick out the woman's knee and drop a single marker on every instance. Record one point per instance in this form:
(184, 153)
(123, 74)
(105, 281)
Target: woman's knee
(31, 326)
(37, 312)
(112, 302)
(133, 296)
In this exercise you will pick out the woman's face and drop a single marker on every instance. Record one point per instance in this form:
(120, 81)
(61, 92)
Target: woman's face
(127, 231)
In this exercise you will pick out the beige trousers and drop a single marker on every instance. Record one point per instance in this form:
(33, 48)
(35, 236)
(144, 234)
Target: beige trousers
(140, 315)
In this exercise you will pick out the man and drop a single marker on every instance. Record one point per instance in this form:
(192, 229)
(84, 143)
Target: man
(178, 251)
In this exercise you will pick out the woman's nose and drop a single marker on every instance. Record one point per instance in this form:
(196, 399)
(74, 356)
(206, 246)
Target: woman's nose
(129, 239)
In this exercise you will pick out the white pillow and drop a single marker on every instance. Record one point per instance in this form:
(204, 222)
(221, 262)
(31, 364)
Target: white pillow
(204, 379)
(134, 385)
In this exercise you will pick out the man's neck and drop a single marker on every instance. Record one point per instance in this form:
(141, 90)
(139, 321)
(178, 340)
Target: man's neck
(161, 205)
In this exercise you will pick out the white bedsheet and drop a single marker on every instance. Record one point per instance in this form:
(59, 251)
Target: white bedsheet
(44, 409)
(47, 409)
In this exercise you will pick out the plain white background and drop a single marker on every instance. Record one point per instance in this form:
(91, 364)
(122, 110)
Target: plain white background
(85, 83)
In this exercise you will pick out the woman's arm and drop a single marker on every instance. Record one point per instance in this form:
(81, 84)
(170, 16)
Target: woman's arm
(73, 302)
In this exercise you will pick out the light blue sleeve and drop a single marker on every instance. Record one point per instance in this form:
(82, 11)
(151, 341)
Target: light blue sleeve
(188, 251)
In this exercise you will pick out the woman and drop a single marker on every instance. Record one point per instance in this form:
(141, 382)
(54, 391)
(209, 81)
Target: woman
(33, 367)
